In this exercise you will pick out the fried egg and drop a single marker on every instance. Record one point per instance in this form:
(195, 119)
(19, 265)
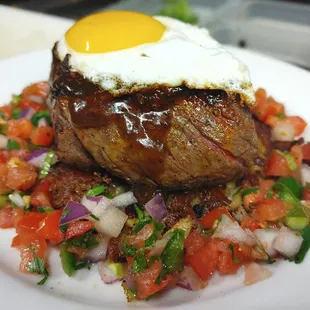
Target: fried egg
(125, 51)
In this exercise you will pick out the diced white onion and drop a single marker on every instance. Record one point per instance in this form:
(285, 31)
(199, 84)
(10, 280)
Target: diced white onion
(3, 142)
(255, 273)
(305, 174)
(190, 280)
(107, 275)
(111, 219)
(283, 132)
(266, 238)
(99, 253)
(287, 242)
(17, 199)
(42, 122)
(36, 99)
(124, 200)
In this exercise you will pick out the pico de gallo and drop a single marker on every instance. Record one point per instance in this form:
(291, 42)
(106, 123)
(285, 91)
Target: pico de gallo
(261, 224)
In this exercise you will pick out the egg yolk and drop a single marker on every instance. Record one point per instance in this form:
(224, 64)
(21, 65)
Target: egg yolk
(113, 31)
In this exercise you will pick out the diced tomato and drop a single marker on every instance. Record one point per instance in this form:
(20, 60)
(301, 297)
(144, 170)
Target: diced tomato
(138, 239)
(250, 223)
(306, 193)
(297, 153)
(77, 250)
(274, 108)
(205, 260)
(44, 186)
(145, 281)
(251, 199)
(25, 103)
(232, 256)
(21, 176)
(43, 136)
(277, 165)
(192, 244)
(21, 154)
(37, 89)
(29, 223)
(270, 210)
(39, 199)
(78, 228)
(39, 247)
(306, 151)
(3, 177)
(2, 158)
(15, 242)
(9, 216)
(208, 220)
(20, 128)
(297, 122)
(49, 227)
(7, 110)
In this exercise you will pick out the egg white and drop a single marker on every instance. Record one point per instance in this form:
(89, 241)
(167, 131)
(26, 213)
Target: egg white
(185, 55)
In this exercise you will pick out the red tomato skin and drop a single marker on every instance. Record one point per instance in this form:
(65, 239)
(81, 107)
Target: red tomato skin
(39, 199)
(49, 227)
(270, 210)
(39, 247)
(25, 103)
(205, 260)
(9, 216)
(306, 193)
(21, 128)
(277, 166)
(44, 186)
(250, 223)
(306, 151)
(7, 110)
(29, 223)
(192, 244)
(36, 89)
(78, 228)
(145, 281)
(208, 219)
(43, 136)
(3, 159)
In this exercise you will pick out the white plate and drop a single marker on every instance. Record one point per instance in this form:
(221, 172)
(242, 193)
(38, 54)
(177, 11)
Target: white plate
(288, 288)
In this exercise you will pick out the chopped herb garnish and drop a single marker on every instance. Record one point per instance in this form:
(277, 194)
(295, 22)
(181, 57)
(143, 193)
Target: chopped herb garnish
(12, 145)
(249, 191)
(305, 233)
(235, 259)
(129, 250)
(207, 232)
(308, 185)
(281, 116)
(148, 243)
(96, 190)
(139, 263)
(3, 116)
(143, 219)
(63, 228)
(270, 260)
(16, 113)
(48, 161)
(37, 265)
(295, 187)
(94, 217)
(86, 241)
(152, 260)
(290, 160)
(44, 209)
(16, 98)
(41, 114)
(65, 212)
(82, 265)
(68, 260)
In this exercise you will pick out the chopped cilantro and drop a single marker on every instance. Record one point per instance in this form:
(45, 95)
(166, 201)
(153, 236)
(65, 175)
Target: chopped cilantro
(231, 247)
(63, 228)
(16, 98)
(139, 263)
(41, 114)
(94, 217)
(143, 219)
(12, 145)
(37, 265)
(129, 250)
(281, 116)
(82, 265)
(65, 212)
(16, 113)
(41, 209)
(305, 233)
(2, 115)
(86, 241)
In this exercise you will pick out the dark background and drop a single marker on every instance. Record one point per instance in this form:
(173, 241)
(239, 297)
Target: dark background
(75, 8)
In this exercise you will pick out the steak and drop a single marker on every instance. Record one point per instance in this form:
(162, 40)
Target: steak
(169, 137)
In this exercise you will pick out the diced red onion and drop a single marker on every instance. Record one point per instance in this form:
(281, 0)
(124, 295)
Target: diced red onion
(99, 253)
(3, 142)
(266, 237)
(73, 212)
(255, 273)
(107, 274)
(124, 200)
(305, 174)
(233, 232)
(42, 122)
(27, 113)
(17, 199)
(37, 157)
(130, 279)
(283, 132)
(287, 242)
(190, 280)
(156, 207)
(111, 219)
(37, 99)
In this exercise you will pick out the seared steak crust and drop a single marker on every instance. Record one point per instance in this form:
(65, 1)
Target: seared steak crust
(173, 138)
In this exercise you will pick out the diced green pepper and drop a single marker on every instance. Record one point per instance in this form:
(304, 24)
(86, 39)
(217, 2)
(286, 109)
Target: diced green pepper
(68, 260)
(3, 200)
(296, 223)
(96, 190)
(295, 187)
(48, 161)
